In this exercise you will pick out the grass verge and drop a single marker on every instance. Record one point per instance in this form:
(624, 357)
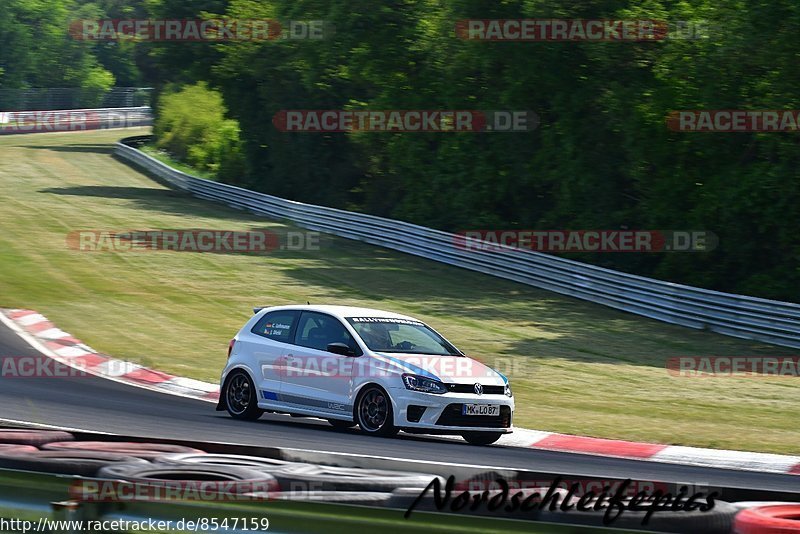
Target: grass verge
(575, 367)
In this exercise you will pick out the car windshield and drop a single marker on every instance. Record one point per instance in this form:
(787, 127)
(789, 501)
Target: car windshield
(382, 334)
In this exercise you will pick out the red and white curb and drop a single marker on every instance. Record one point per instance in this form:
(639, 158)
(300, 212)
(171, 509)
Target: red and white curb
(59, 345)
(671, 454)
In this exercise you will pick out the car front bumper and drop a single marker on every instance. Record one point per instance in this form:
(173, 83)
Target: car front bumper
(442, 414)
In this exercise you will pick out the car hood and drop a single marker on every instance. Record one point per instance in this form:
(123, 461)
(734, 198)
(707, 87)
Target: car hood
(448, 369)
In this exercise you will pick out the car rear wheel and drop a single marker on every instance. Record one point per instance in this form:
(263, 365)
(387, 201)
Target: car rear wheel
(374, 412)
(481, 438)
(241, 399)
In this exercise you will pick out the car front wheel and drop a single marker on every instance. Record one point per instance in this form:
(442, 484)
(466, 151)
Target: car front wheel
(374, 412)
(481, 438)
(241, 400)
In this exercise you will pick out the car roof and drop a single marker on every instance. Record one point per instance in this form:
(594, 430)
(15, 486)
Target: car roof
(343, 312)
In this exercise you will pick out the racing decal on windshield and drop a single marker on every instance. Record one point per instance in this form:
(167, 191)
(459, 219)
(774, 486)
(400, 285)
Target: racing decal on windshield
(385, 320)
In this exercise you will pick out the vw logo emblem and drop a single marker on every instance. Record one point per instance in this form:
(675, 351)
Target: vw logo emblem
(478, 389)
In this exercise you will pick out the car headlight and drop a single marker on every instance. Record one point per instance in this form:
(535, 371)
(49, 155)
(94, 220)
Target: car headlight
(425, 385)
(508, 390)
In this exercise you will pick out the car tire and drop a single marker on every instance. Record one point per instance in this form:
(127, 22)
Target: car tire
(175, 475)
(339, 497)
(341, 425)
(300, 476)
(481, 438)
(373, 412)
(241, 399)
(235, 460)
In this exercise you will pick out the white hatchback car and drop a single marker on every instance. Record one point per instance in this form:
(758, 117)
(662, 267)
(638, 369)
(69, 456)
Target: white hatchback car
(381, 370)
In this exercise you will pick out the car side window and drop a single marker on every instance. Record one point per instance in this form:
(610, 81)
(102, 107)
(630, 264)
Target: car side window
(277, 325)
(317, 330)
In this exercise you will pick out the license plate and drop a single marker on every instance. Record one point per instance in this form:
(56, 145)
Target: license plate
(480, 409)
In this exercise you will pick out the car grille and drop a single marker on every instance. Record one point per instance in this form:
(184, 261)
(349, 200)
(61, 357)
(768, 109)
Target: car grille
(470, 388)
(452, 416)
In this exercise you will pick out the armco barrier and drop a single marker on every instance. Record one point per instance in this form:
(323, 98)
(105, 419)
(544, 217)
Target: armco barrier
(70, 120)
(734, 315)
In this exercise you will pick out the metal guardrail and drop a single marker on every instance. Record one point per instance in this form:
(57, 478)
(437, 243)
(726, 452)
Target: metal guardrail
(69, 120)
(44, 98)
(725, 313)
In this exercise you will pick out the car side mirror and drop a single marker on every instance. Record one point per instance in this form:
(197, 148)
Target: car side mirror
(341, 348)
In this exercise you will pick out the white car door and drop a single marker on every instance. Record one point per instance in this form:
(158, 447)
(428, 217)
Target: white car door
(269, 343)
(315, 378)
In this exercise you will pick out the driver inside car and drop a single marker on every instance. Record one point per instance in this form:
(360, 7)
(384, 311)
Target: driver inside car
(376, 336)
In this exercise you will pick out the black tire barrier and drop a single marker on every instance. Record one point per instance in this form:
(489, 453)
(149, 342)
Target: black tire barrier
(771, 519)
(742, 505)
(311, 477)
(148, 451)
(339, 497)
(33, 437)
(246, 481)
(304, 477)
(255, 462)
(13, 448)
(82, 463)
(718, 520)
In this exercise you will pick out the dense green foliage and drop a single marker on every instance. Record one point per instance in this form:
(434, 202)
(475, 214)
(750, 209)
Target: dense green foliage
(192, 127)
(602, 157)
(38, 51)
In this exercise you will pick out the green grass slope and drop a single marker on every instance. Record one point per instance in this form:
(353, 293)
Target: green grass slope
(575, 367)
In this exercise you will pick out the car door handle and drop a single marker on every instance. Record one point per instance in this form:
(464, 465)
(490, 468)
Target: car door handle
(289, 356)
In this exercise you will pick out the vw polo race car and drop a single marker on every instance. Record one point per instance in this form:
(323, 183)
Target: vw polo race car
(354, 366)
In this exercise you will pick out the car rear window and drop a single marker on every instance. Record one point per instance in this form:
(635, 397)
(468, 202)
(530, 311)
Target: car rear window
(276, 325)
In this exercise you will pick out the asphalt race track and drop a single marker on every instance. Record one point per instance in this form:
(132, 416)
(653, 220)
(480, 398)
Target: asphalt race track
(95, 404)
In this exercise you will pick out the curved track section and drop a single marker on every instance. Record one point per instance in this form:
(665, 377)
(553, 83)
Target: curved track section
(95, 404)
